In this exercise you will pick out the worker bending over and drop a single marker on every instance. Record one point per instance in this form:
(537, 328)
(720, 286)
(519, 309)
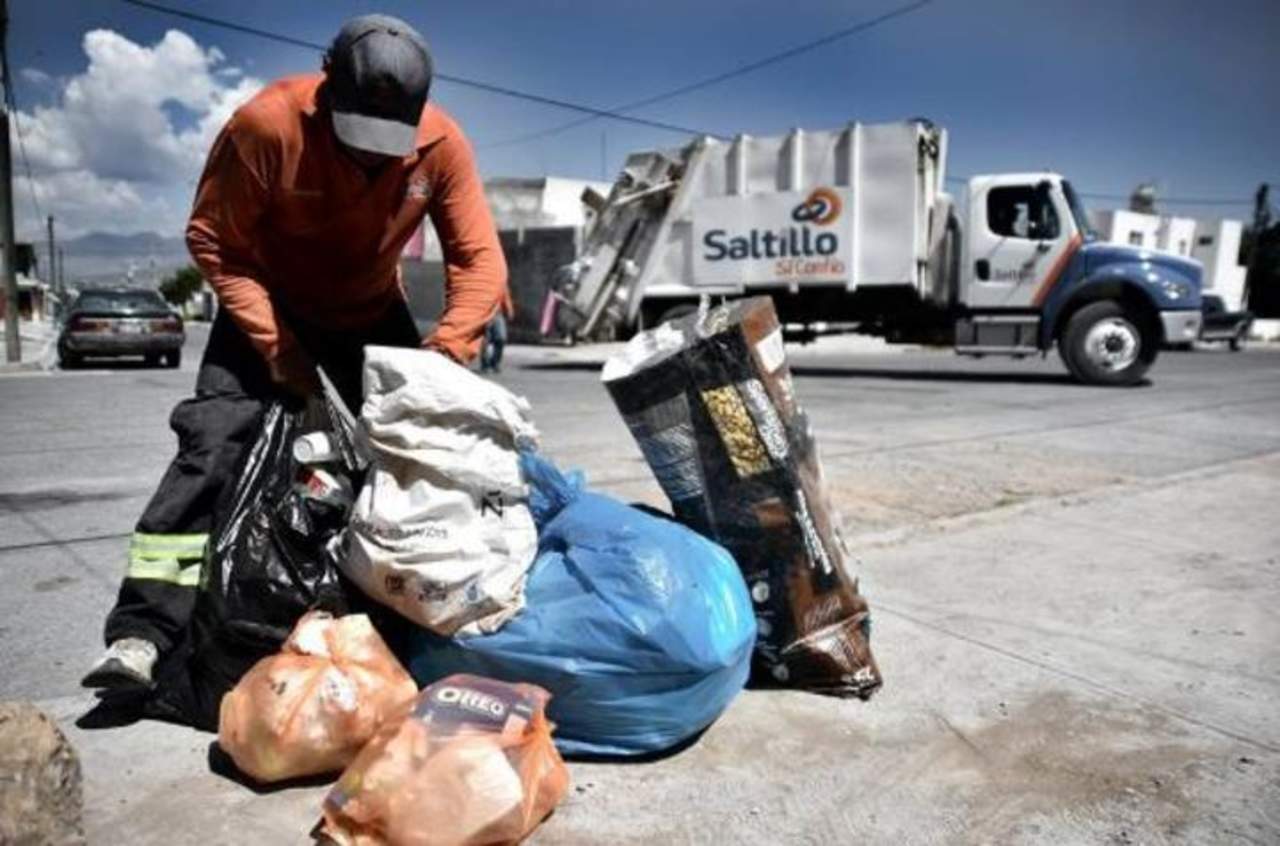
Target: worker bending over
(307, 199)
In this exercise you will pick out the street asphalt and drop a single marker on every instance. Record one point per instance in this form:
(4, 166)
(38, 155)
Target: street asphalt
(1073, 589)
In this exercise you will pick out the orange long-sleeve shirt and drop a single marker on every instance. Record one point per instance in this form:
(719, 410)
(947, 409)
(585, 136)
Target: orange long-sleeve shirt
(283, 216)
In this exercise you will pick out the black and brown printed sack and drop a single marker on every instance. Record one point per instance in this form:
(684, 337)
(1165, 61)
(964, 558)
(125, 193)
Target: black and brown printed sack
(709, 400)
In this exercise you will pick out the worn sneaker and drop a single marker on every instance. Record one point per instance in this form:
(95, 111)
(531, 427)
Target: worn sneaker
(124, 667)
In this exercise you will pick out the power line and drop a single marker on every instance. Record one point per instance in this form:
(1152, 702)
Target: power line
(11, 102)
(456, 80)
(592, 113)
(225, 24)
(22, 145)
(726, 75)
(1186, 201)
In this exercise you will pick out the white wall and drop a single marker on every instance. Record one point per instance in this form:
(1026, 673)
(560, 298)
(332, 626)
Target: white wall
(1176, 235)
(518, 203)
(1121, 226)
(563, 200)
(1217, 247)
(546, 201)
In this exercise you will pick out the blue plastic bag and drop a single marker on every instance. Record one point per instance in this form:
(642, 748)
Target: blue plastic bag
(641, 630)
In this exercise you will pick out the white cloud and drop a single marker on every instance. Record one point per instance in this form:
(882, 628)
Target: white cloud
(36, 76)
(121, 148)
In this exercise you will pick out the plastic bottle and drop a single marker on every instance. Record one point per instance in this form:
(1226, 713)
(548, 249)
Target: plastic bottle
(314, 448)
(335, 489)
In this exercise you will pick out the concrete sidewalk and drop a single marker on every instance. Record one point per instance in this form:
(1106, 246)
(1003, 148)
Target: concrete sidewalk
(1073, 592)
(38, 346)
(1079, 671)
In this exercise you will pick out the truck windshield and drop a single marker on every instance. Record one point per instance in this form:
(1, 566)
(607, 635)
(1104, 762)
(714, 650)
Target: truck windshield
(1077, 210)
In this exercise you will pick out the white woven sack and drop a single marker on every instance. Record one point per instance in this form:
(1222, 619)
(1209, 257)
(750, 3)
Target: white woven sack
(441, 530)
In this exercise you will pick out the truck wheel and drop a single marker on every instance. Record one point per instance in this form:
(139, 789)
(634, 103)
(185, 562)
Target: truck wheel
(1103, 344)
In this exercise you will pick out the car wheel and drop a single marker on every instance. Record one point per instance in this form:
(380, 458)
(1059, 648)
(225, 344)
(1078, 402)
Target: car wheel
(1103, 344)
(173, 360)
(152, 359)
(1237, 342)
(68, 360)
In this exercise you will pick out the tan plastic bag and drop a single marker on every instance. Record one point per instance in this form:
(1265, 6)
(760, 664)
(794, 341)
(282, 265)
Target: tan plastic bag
(309, 709)
(472, 764)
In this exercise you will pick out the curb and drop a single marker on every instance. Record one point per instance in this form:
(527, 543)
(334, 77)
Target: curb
(21, 367)
(36, 354)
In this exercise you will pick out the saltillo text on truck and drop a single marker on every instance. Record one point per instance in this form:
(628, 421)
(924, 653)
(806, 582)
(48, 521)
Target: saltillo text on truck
(851, 230)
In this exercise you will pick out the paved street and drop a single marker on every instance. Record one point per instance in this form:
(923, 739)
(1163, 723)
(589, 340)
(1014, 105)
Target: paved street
(1073, 589)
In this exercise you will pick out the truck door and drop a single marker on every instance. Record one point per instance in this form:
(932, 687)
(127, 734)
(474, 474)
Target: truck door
(1020, 236)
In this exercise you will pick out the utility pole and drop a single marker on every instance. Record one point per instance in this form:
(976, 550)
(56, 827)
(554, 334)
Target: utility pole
(53, 259)
(12, 343)
(1259, 302)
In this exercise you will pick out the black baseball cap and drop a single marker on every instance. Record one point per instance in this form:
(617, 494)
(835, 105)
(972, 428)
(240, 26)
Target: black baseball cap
(379, 72)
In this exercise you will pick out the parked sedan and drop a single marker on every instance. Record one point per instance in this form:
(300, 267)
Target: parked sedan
(1218, 324)
(105, 322)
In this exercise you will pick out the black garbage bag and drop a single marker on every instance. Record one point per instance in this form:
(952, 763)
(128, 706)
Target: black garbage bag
(269, 561)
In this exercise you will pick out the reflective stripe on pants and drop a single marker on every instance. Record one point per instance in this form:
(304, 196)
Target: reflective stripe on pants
(166, 558)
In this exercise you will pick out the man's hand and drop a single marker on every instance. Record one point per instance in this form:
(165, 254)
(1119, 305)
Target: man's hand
(436, 347)
(295, 373)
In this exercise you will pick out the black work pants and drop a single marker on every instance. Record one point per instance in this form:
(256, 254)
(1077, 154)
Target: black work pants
(215, 429)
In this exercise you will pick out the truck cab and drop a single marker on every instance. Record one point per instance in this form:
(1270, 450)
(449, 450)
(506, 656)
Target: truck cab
(1033, 274)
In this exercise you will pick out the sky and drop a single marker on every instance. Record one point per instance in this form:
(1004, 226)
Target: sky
(117, 105)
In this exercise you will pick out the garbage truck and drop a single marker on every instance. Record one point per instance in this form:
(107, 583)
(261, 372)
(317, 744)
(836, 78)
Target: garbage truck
(852, 230)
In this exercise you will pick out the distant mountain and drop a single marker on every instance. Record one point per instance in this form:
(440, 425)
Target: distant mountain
(138, 244)
(139, 259)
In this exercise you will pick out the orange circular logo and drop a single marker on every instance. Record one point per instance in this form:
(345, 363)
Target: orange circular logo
(820, 208)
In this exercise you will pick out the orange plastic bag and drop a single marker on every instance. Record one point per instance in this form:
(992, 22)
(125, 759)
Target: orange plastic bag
(309, 709)
(473, 763)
